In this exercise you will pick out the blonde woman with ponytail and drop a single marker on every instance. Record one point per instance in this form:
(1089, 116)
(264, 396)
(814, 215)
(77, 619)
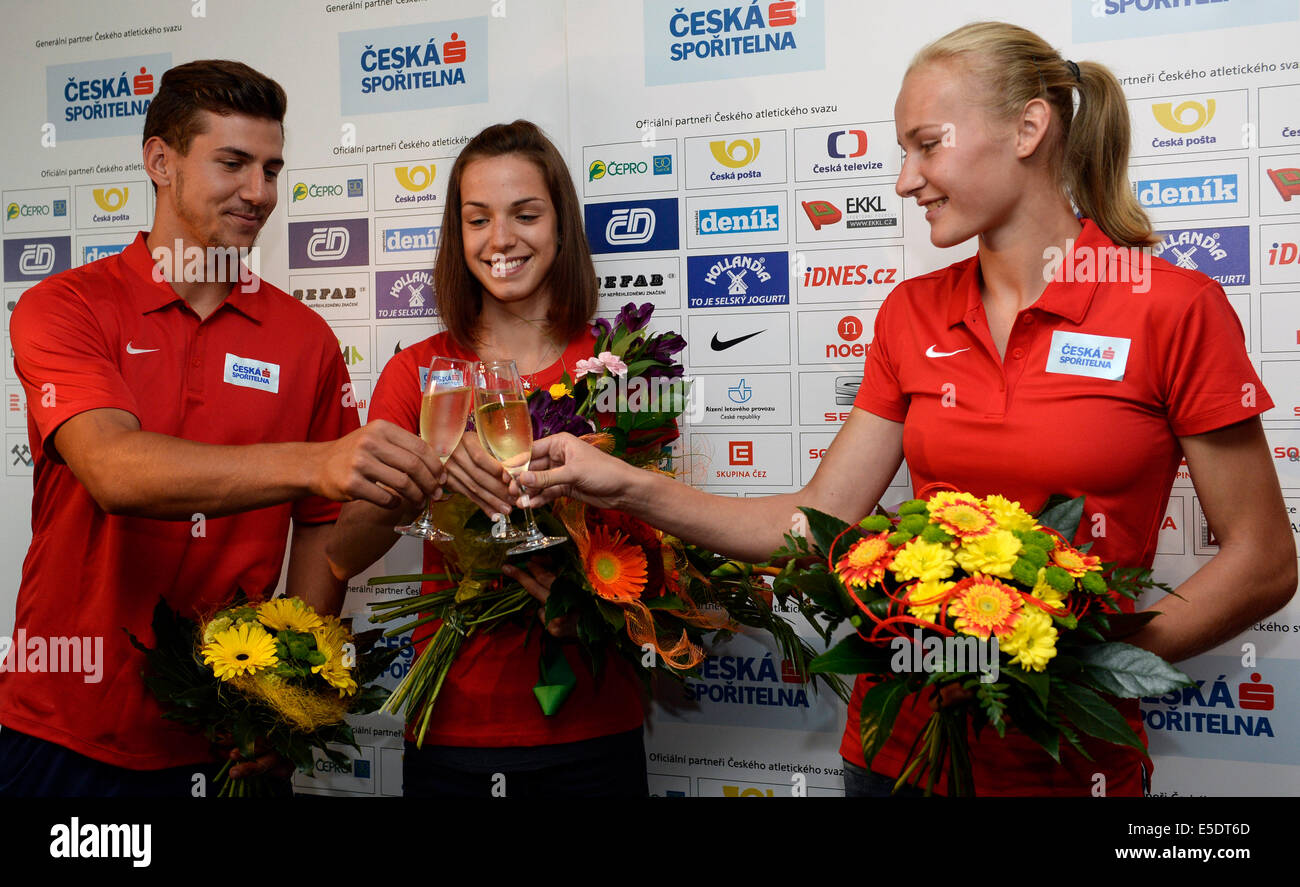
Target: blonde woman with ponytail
(1060, 358)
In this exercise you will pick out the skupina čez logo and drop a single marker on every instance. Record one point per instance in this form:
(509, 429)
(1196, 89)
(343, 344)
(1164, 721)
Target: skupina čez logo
(110, 199)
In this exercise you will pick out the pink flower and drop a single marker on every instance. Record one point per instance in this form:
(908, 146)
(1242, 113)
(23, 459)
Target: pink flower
(606, 360)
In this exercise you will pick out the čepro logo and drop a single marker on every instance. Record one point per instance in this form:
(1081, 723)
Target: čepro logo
(632, 225)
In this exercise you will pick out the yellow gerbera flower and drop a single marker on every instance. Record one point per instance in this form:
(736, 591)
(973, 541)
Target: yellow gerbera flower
(866, 562)
(330, 638)
(993, 554)
(1073, 561)
(288, 613)
(615, 567)
(939, 500)
(927, 561)
(1033, 641)
(985, 606)
(242, 649)
(1009, 515)
(965, 520)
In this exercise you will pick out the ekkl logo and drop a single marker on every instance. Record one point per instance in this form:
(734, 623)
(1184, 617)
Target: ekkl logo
(821, 212)
(740, 452)
(734, 154)
(415, 178)
(1287, 182)
(1179, 120)
(834, 143)
(849, 328)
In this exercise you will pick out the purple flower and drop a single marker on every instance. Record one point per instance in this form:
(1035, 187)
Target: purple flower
(553, 415)
(634, 318)
(662, 348)
(601, 328)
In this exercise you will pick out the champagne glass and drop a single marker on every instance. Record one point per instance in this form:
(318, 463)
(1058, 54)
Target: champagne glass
(506, 431)
(444, 407)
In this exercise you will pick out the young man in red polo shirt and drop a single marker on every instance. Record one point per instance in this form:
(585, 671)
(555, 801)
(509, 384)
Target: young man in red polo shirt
(180, 427)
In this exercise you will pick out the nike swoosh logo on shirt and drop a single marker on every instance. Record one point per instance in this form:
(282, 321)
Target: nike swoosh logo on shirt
(721, 345)
(930, 352)
(130, 349)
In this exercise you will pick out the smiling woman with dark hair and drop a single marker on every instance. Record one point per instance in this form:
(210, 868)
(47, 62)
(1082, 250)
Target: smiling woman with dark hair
(514, 281)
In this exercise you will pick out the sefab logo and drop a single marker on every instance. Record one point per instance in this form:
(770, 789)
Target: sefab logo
(1221, 253)
(709, 40)
(410, 67)
(103, 97)
(738, 279)
(632, 226)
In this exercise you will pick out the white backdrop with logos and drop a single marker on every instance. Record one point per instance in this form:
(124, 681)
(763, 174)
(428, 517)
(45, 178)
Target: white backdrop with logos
(717, 147)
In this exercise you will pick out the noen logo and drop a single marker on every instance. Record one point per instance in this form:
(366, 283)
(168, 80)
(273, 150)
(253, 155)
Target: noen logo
(1187, 117)
(846, 143)
(110, 199)
(415, 178)
(36, 259)
(821, 212)
(327, 244)
(1287, 182)
(632, 226)
(734, 154)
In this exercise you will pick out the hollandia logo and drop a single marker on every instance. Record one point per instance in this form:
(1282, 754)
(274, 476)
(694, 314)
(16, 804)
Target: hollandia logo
(415, 178)
(1189, 116)
(738, 279)
(1221, 253)
(404, 294)
(106, 97)
(111, 199)
(416, 66)
(711, 41)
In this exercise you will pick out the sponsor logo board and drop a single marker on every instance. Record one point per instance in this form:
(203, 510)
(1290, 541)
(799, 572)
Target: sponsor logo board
(1279, 259)
(737, 219)
(325, 190)
(35, 258)
(1196, 190)
(330, 243)
(412, 67)
(840, 337)
(742, 399)
(1279, 185)
(629, 168)
(862, 212)
(622, 226)
(391, 338)
(845, 151)
(36, 209)
(751, 158)
(1192, 123)
(639, 280)
(115, 205)
(102, 97)
(411, 184)
(847, 275)
(93, 247)
(404, 294)
(731, 340)
(1279, 119)
(344, 296)
(738, 280)
(407, 239)
(1222, 253)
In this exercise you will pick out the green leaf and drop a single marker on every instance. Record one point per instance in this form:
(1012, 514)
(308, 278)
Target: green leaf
(1034, 725)
(824, 528)
(1095, 716)
(1037, 681)
(1128, 671)
(1062, 514)
(852, 655)
(880, 708)
(667, 602)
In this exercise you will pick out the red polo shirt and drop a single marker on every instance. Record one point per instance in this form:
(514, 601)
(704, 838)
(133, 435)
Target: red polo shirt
(260, 369)
(987, 425)
(488, 699)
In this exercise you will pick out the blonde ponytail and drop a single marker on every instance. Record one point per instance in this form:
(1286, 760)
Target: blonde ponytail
(1090, 151)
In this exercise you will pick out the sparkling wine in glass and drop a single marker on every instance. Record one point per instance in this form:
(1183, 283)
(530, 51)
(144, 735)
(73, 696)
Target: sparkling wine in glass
(506, 432)
(444, 407)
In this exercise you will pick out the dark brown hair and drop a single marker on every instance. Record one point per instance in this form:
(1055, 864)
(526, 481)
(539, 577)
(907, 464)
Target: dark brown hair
(571, 279)
(218, 85)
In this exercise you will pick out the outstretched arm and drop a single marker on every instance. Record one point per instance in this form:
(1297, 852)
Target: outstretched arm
(854, 474)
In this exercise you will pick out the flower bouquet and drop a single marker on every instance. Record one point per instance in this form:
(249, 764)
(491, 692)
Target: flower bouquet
(955, 589)
(634, 590)
(275, 672)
